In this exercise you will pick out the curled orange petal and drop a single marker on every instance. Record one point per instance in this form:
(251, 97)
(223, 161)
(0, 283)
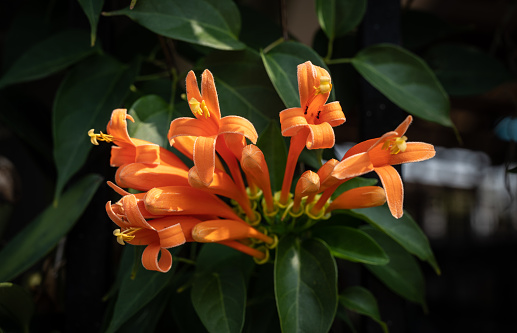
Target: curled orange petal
(238, 125)
(392, 184)
(150, 258)
(320, 136)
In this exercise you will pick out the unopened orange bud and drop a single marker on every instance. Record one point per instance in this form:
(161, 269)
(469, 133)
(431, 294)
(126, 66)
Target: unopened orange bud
(359, 197)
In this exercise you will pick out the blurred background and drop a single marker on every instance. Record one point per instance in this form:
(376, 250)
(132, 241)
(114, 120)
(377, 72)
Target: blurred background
(464, 198)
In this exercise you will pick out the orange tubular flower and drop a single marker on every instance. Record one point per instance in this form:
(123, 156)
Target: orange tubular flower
(309, 183)
(223, 230)
(254, 165)
(143, 177)
(131, 150)
(309, 125)
(359, 197)
(379, 155)
(158, 234)
(207, 126)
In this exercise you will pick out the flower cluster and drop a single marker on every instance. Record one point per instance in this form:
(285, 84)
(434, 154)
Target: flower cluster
(226, 195)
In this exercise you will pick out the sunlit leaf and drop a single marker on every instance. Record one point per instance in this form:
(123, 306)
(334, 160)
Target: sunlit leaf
(465, 70)
(43, 233)
(351, 244)
(152, 118)
(48, 57)
(16, 306)
(281, 65)
(402, 274)
(362, 301)
(337, 17)
(213, 23)
(406, 80)
(92, 9)
(272, 144)
(404, 231)
(305, 285)
(85, 100)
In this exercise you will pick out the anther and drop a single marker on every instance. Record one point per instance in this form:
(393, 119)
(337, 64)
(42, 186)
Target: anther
(125, 236)
(199, 108)
(95, 138)
(396, 145)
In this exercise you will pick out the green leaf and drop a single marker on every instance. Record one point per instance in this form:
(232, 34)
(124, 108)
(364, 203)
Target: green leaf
(361, 300)
(48, 57)
(337, 17)
(213, 23)
(219, 288)
(85, 100)
(281, 65)
(16, 306)
(135, 292)
(466, 70)
(43, 233)
(351, 244)
(404, 231)
(406, 80)
(243, 87)
(272, 144)
(305, 285)
(402, 274)
(152, 118)
(92, 9)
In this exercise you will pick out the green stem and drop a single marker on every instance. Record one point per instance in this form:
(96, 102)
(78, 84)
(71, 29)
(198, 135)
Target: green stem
(330, 46)
(272, 45)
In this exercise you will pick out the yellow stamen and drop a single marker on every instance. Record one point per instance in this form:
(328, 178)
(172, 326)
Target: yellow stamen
(94, 138)
(199, 108)
(126, 235)
(325, 86)
(396, 145)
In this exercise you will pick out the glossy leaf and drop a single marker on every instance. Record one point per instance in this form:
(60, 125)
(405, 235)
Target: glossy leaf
(244, 87)
(219, 288)
(85, 100)
(43, 233)
(136, 291)
(281, 65)
(305, 285)
(272, 144)
(465, 70)
(351, 244)
(152, 118)
(402, 274)
(404, 231)
(48, 57)
(92, 9)
(406, 80)
(337, 17)
(16, 306)
(362, 301)
(213, 23)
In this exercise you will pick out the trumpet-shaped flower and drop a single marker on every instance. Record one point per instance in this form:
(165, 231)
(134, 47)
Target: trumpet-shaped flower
(359, 197)
(207, 125)
(379, 155)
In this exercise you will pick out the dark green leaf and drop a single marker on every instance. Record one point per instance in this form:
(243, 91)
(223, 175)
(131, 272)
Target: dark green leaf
(16, 306)
(244, 87)
(92, 9)
(212, 23)
(404, 231)
(465, 70)
(420, 28)
(337, 17)
(305, 285)
(361, 300)
(406, 80)
(402, 274)
(281, 65)
(43, 233)
(219, 288)
(135, 293)
(152, 119)
(351, 244)
(272, 144)
(48, 57)
(85, 100)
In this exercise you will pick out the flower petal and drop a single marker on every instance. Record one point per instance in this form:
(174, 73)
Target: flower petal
(320, 136)
(191, 127)
(238, 125)
(122, 155)
(331, 113)
(143, 177)
(359, 197)
(117, 127)
(292, 120)
(402, 128)
(192, 87)
(209, 94)
(306, 74)
(415, 152)
(353, 166)
(166, 156)
(392, 184)
(150, 258)
(171, 236)
(133, 214)
(204, 158)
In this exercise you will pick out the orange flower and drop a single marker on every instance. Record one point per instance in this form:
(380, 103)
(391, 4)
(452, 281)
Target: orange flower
(158, 234)
(359, 197)
(131, 150)
(309, 125)
(379, 155)
(207, 126)
(143, 177)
